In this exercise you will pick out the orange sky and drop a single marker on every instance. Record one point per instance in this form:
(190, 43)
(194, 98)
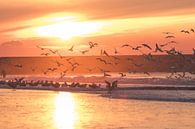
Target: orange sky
(59, 24)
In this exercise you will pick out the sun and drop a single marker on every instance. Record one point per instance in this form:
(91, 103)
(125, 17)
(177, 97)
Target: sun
(69, 29)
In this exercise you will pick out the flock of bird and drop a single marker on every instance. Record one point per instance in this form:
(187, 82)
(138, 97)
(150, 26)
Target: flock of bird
(114, 60)
(21, 83)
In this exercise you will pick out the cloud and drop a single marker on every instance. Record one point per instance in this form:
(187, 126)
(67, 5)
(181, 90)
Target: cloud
(95, 9)
(14, 29)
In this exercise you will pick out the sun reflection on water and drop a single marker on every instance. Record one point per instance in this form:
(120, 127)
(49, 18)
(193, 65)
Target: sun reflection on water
(65, 114)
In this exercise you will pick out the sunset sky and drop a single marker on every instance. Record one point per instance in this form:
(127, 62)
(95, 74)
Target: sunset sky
(59, 24)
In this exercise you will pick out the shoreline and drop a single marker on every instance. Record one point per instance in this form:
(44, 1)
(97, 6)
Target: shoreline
(167, 94)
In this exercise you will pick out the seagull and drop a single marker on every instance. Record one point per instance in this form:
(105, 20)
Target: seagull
(185, 31)
(52, 69)
(172, 42)
(62, 74)
(116, 58)
(111, 86)
(106, 74)
(59, 64)
(105, 53)
(115, 51)
(136, 48)
(192, 30)
(71, 49)
(45, 54)
(84, 51)
(91, 44)
(147, 46)
(168, 33)
(68, 59)
(40, 47)
(148, 57)
(147, 73)
(193, 51)
(104, 61)
(158, 48)
(125, 45)
(122, 74)
(170, 36)
(138, 65)
(53, 51)
(73, 67)
(18, 66)
(130, 59)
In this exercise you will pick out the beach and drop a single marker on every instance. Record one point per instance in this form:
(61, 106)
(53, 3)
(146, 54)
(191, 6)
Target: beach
(57, 110)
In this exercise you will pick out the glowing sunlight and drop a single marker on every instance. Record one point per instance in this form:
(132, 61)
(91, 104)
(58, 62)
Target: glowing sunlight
(65, 114)
(69, 29)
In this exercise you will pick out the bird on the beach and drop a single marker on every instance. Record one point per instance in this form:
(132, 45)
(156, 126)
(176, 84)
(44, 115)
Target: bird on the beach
(147, 73)
(122, 74)
(193, 49)
(138, 65)
(106, 74)
(18, 65)
(130, 59)
(111, 86)
(148, 57)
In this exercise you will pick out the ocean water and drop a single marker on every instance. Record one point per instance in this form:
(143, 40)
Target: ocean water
(33, 109)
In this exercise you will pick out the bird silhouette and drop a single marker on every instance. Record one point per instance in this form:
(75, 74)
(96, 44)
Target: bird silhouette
(158, 48)
(71, 49)
(147, 46)
(111, 86)
(84, 51)
(59, 64)
(147, 73)
(53, 51)
(18, 66)
(115, 51)
(170, 36)
(185, 31)
(136, 48)
(105, 53)
(106, 74)
(91, 44)
(125, 45)
(193, 49)
(122, 74)
(45, 54)
(168, 33)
